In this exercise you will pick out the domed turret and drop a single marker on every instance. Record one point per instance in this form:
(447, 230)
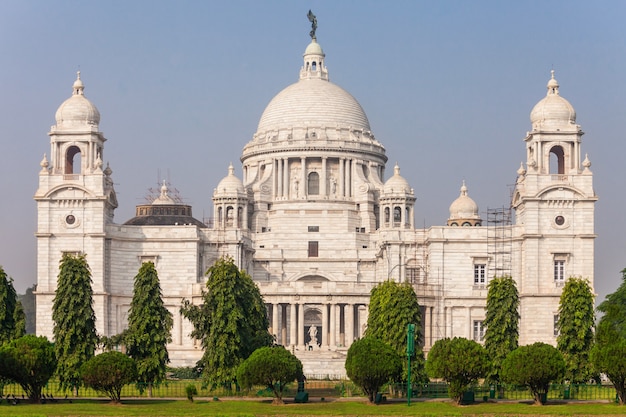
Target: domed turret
(553, 112)
(77, 111)
(230, 202)
(229, 185)
(397, 184)
(397, 201)
(464, 210)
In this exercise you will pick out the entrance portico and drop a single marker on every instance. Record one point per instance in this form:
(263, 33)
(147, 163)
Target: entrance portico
(306, 324)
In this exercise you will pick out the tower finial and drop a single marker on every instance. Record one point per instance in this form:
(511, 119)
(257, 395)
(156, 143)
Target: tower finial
(313, 21)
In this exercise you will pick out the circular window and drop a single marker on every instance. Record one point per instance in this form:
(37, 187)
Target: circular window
(70, 219)
(559, 220)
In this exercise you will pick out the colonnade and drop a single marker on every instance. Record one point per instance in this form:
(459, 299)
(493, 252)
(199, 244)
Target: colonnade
(287, 185)
(337, 324)
(397, 213)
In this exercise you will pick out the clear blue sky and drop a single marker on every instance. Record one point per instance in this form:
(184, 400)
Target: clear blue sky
(448, 87)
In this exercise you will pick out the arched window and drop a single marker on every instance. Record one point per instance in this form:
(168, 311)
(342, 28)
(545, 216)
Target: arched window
(314, 184)
(72, 160)
(557, 160)
(230, 216)
(314, 66)
(239, 216)
(397, 214)
(387, 213)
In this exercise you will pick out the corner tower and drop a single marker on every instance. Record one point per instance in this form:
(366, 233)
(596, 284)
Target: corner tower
(75, 202)
(554, 203)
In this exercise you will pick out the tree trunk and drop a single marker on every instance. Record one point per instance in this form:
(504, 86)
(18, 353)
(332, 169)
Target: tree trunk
(621, 393)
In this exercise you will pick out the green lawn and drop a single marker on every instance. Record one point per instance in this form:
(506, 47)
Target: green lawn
(333, 407)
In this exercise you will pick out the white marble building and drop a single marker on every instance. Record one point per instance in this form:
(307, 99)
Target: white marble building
(317, 225)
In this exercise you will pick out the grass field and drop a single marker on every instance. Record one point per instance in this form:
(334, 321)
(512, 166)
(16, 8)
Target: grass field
(316, 407)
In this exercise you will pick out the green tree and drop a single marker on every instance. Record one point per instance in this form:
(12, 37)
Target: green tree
(108, 372)
(149, 327)
(535, 366)
(74, 320)
(30, 361)
(12, 320)
(272, 366)
(612, 326)
(575, 325)
(608, 355)
(392, 308)
(231, 323)
(610, 359)
(458, 361)
(28, 303)
(371, 363)
(502, 323)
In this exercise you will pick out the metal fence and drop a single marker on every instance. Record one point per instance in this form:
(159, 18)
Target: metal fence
(328, 388)
(587, 392)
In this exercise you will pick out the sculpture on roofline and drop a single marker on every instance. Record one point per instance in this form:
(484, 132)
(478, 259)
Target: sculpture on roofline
(313, 21)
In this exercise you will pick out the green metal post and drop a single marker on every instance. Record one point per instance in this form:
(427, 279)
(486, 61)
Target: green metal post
(410, 351)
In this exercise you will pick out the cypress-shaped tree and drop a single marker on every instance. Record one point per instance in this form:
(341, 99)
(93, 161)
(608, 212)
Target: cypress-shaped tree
(75, 337)
(12, 319)
(502, 323)
(231, 323)
(149, 327)
(575, 325)
(393, 306)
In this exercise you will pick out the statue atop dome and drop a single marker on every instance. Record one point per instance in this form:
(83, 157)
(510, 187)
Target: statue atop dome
(313, 21)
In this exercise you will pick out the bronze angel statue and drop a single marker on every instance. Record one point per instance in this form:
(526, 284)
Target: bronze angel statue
(313, 21)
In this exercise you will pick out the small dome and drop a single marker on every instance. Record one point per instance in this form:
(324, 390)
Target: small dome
(463, 209)
(314, 48)
(553, 112)
(397, 184)
(77, 111)
(164, 198)
(229, 185)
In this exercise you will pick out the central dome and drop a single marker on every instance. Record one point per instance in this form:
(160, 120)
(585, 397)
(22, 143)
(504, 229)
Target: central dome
(315, 103)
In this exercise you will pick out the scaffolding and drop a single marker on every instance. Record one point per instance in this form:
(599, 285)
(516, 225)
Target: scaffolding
(499, 241)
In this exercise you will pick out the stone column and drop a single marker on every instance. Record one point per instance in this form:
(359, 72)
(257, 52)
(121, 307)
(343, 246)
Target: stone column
(349, 324)
(283, 324)
(304, 183)
(332, 328)
(341, 180)
(286, 177)
(301, 326)
(293, 325)
(348, 178)
(275, 329)
(323, 189)
(278, 178)
(324, 333)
